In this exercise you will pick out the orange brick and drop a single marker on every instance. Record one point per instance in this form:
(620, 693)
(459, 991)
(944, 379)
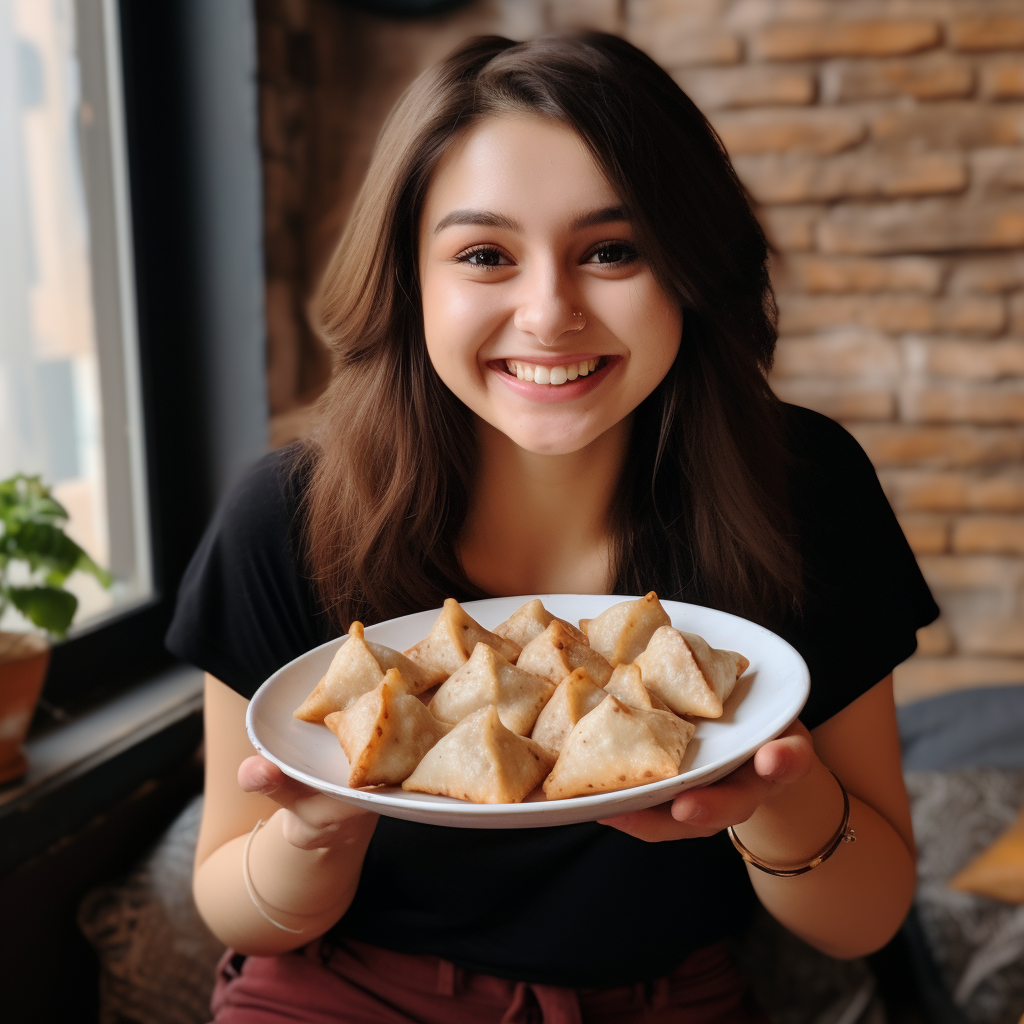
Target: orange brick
(850, 355)
(993, 636)
(933, 77)
(814, 131)
(919, 678)
(968, 360)
(1003, 79)
(602, 15)
(1017, 313)
(992, 32)
(805, 40)
(912, 490)
(971, 572)
(839, 401)
(952, 125)
(679, 42)
(995, 535)
(748, 86)
(790, 178)
(902, 444)
(989, 274)
(994, 171)
(817, 274)
(893, 314)
(994, 403)
(923, 225)
(790, 229)
(926, 535)
(934, 639)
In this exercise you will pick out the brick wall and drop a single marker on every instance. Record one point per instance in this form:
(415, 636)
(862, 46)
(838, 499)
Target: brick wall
(883, 141)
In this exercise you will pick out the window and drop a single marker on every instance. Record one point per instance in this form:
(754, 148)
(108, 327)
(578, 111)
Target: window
(70, 389)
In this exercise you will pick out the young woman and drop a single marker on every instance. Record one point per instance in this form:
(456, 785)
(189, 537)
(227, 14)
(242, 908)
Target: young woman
(552, 323)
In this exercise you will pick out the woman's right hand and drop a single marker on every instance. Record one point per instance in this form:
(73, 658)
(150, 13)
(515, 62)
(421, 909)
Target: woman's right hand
(314, 821)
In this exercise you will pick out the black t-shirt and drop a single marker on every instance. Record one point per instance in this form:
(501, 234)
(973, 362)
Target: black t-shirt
(583, 906)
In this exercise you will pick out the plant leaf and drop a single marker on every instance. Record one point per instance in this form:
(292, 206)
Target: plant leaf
(47, 607)
(47, 547)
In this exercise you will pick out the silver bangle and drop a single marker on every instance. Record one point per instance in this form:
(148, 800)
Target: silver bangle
(257, 901)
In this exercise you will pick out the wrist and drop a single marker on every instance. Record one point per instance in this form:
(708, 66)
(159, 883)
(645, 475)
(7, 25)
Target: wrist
(308, 882)
(797, 821)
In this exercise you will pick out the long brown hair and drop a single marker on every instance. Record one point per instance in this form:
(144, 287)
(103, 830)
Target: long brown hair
(701, 511)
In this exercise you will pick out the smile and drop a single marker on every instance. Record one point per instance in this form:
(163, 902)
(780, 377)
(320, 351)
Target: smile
(556, 375)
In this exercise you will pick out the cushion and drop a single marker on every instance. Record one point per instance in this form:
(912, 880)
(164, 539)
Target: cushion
(157, 958)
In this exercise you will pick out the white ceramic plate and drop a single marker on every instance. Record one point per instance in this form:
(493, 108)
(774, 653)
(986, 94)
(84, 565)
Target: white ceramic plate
(766, 700)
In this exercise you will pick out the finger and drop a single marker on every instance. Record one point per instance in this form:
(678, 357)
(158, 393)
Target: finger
(784, 760)
(317, 815)
(729, 801)
(654, 825)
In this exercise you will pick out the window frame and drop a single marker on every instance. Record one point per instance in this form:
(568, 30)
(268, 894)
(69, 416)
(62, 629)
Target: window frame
(193, 168)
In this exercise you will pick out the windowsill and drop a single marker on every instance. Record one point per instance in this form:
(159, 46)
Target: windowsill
(80, 769)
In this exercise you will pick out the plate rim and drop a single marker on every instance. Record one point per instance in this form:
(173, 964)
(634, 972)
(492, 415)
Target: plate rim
(381, 801)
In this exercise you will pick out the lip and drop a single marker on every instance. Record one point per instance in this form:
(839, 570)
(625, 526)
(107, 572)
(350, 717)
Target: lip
(554, 392)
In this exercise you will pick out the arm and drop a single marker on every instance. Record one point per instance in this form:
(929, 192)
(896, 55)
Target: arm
(305, 863)
(789, 806)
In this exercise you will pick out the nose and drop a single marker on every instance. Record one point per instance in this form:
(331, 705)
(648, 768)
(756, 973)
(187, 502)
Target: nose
(547, 307)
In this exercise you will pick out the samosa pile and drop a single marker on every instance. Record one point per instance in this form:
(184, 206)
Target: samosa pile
(491, 716)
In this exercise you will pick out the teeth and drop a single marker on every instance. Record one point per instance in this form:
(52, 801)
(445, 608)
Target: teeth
(551, 375)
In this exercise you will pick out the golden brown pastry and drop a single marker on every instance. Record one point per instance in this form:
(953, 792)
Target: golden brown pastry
(621, 632)
(627, 685)
(688, 674)
(615, 747)
(577, 695)
(356, 669)
(555, 653)
(488, 678)
(451, 641)
(481, 761)
(530, 620)
(385, 733)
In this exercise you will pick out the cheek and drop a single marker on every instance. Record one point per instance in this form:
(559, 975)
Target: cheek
(457, 321)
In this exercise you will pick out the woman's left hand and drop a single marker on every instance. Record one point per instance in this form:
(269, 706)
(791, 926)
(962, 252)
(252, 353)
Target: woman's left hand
(730, 801)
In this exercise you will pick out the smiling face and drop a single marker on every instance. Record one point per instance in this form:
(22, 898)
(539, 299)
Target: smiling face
(539, 313)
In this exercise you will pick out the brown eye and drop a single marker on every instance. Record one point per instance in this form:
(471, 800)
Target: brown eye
(613, 252)
(484, 257)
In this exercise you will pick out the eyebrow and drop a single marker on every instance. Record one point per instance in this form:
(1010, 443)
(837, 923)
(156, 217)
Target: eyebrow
(486, 218)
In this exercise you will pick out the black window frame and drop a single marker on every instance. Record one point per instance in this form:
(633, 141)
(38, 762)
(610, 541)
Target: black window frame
(189, 367)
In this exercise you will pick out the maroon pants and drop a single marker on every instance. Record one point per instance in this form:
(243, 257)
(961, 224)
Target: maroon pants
(361, 984)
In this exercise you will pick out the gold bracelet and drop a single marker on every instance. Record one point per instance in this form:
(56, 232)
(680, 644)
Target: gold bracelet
(843, 834)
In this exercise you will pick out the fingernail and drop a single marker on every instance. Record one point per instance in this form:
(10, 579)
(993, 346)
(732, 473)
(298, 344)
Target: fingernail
(686, 812)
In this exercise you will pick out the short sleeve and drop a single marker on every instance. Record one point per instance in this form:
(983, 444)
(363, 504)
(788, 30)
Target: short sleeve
(246, 606)
(865, 597)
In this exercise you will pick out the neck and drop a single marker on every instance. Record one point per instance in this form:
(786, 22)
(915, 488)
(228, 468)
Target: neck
(540, 523)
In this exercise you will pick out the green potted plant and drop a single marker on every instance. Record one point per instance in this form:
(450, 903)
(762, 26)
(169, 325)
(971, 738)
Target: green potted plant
(34, 545)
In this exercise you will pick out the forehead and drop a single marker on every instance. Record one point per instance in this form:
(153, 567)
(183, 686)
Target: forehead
(525, 165)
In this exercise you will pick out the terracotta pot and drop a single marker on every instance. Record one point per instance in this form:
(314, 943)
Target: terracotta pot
(23, 662)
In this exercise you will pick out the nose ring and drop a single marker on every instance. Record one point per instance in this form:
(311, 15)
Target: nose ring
(579, 321)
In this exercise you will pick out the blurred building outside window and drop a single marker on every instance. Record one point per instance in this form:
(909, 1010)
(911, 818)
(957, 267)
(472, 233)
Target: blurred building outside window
(70, 396)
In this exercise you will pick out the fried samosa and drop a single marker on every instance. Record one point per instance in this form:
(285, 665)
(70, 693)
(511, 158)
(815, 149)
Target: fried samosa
(688, 674)
(615, 747)
(488, 678)
(356, 669)
(627, 685)
(451, 641)
(530, 620)
(555, 653)
(481, 761)
(385, 733)
(621, 632)
(577, 695)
